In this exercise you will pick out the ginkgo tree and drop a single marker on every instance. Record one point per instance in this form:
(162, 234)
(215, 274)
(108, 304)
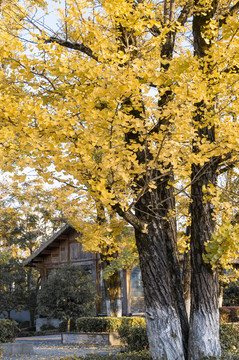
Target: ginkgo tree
(125, 102)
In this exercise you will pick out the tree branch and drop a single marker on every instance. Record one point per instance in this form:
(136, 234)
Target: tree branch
(72, 45)
(130, 218)
(185, 13)
(228, 166)
(231, 11)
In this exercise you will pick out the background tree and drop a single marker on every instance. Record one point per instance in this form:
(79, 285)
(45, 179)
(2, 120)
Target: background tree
(25, 222)
(124, 104)
(69, 292)
(28, 216)
(12, 285)
(231, 294)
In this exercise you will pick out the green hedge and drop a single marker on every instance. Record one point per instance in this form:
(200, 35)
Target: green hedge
(8, 330)
(134, 336)
(106, 324)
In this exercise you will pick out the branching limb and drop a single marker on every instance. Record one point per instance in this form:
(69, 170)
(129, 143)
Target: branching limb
(130, 218)
(72, 45)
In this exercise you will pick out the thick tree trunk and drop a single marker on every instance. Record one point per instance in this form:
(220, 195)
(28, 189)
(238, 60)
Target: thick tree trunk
(204, 321)
(166, 318)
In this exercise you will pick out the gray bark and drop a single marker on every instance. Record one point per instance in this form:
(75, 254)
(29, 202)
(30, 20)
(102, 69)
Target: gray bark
(204, 321)
(166, 317)
(164, 333)
(204, 335)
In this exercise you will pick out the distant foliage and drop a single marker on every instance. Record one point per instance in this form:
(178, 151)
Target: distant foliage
(231, 294)
(8, 330)
(12, 286)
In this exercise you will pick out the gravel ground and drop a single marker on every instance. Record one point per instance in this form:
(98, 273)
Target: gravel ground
(50, 347)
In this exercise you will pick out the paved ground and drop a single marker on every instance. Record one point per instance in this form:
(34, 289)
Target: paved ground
(50, 347)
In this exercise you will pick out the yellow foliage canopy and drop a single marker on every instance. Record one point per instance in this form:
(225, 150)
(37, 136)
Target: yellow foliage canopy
(74, 100)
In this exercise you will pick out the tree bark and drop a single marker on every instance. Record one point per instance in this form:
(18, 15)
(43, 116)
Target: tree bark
(166, 318)
(204, 320)
(187, 281)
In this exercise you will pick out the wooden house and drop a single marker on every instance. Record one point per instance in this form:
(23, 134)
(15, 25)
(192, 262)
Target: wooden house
(64, 247)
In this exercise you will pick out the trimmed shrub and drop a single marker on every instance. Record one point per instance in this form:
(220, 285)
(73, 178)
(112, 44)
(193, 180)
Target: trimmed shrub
(106, 324)
(229, 314)
(134, 336)
(8, 330)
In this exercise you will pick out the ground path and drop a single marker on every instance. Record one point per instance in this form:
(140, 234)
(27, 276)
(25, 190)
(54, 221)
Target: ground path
(50, 347)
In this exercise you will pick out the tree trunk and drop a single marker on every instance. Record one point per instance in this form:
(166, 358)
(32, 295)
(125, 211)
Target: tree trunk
(204, 321)
(166, 318)
(68, 324)
(114, 302)
(187, 281)
(32, 317)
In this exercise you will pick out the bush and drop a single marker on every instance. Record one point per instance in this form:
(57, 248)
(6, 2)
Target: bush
(46, 327)
(106, 324)
(27, 332)
(231, 294)
(229, 314)
(24, 325)
(134, 336)
(8, 330)
(229, 336)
